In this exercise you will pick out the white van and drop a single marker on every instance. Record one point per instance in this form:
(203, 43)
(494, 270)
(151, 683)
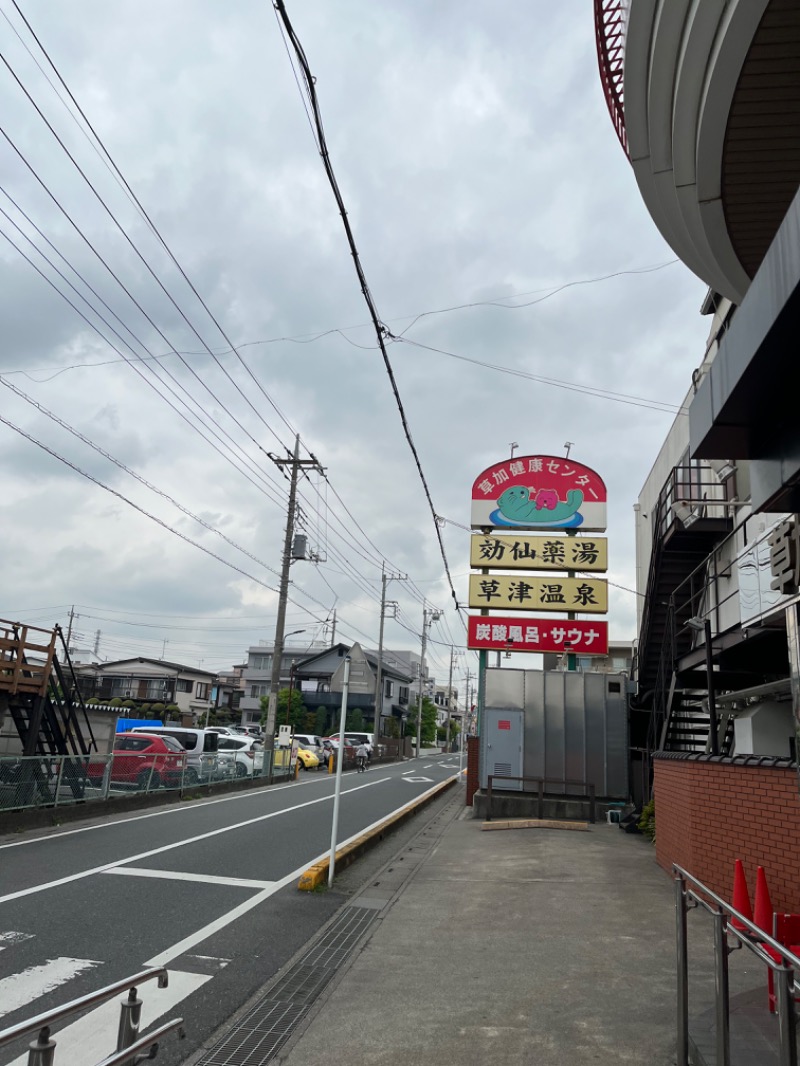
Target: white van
(200, 745)
(359, 738)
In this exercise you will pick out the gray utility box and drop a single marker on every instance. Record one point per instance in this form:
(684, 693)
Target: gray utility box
(557, 725)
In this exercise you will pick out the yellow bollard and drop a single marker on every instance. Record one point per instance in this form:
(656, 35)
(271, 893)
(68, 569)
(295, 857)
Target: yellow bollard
(330, 764)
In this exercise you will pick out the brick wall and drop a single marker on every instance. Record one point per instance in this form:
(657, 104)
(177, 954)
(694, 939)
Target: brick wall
(710, 813)
(472, 768)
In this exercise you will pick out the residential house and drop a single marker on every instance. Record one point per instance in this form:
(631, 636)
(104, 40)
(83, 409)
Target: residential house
(149, 681)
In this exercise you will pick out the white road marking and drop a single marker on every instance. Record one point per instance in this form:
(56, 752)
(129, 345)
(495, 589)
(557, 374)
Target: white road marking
(221, 963)
(21, 988)
(225, 919)
(418, 780)
(9, 938)
(177, 875)
(94, 1036)
(181, 843)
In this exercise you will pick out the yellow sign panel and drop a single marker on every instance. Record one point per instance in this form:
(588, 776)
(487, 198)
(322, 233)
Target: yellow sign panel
(523, 592)
(520, 551)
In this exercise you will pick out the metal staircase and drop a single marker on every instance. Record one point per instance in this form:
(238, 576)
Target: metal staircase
(39, 691)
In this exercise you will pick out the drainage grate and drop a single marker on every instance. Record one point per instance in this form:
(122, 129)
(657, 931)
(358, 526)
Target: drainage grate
(258, 1040)
(264, 1030)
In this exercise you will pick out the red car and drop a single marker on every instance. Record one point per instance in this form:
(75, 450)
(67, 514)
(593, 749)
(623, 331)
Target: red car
(144, 760)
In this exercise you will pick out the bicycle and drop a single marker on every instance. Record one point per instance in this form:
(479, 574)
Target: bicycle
(361, 761)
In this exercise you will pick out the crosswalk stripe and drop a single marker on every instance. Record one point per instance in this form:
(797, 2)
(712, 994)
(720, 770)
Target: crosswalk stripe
(179, 875)
(94, 1036)
(21, 988)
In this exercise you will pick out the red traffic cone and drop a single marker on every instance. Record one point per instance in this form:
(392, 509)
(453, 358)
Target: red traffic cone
(763, 910)
(741, 897)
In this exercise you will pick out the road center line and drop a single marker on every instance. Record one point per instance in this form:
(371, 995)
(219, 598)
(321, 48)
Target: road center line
(179, 844)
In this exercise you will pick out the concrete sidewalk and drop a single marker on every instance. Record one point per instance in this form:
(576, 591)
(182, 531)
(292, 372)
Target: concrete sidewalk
(519, 946)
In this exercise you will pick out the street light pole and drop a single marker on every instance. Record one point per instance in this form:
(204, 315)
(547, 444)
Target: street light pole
(339, 762)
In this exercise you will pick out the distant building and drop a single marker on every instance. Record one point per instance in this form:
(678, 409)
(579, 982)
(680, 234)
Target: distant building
(618, 661)
(148, 681)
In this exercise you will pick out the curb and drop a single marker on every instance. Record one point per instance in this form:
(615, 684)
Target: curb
(317, 874)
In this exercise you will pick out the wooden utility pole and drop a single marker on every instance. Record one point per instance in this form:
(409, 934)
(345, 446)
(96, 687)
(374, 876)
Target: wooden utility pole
(295, 464)
(449, 698)
(385, 579)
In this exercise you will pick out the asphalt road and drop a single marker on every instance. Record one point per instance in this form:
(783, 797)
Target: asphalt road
(206, 888)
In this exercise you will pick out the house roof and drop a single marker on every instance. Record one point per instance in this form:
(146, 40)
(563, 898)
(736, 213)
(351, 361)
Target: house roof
(387, 670)
(159, 662)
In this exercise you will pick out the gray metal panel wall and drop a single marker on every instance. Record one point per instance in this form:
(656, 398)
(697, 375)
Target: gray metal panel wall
(575, 728)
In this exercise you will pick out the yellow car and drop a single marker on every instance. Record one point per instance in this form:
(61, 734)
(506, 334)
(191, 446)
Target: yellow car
(307, 759)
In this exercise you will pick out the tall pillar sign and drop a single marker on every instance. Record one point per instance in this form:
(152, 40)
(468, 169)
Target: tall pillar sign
(535, 517)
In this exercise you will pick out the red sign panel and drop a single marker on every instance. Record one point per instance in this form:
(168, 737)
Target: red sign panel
(504, 724)
(538, 635)
(539, 492)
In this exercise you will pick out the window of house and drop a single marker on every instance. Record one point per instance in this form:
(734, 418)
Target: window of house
(388, 688)
(618, 662)
(201, 690)
(156, 688)
(402, 696)
(258, 690)
(183, 686)
(260, 662)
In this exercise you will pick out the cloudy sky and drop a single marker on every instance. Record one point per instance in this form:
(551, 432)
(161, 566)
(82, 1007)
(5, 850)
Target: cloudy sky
(483, 181)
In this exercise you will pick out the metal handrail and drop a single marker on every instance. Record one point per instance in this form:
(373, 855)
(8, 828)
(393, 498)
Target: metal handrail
(58, 1014)
(144, 1043)
(540, 782)
(690, 893)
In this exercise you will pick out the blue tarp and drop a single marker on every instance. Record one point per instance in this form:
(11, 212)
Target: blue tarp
(124, 725)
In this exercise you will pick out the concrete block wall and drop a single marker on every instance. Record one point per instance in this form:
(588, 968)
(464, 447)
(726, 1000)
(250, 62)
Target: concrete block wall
(710, 813)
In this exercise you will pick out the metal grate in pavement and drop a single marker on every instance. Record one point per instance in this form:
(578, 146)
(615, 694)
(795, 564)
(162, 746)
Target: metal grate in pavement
(262, 1032)
(258, 1041)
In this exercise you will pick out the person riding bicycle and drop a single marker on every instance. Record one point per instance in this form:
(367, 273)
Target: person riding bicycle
(362, 754)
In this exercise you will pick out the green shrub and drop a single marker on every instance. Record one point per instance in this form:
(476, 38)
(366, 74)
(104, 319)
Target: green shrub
(647, 823)
(129, 703)
(93, 701)
(116, 702)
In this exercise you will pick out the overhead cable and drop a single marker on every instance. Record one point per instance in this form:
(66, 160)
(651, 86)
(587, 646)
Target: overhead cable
(380, 329)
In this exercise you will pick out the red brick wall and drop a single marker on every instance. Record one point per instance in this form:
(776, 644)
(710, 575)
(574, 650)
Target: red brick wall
(472, 768)
(708, 814)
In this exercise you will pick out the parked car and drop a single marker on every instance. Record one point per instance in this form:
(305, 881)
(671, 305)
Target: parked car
(144, 760)
(311, 742)
(244, 754)
(200, 746)
(307, 759)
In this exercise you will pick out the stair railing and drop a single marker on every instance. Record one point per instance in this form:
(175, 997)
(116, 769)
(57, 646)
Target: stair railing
(731, 931)
(42, 1051)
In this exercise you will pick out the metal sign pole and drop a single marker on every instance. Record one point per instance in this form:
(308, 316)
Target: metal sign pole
(339, 762)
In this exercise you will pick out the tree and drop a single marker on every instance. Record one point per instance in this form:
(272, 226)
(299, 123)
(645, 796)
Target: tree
(292, 714)
(428, 732)
(321, 721)
(355, 721)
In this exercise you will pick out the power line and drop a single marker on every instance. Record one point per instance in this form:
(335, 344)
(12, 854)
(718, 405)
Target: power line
(380, 329)
(587, 390)
(155, 230)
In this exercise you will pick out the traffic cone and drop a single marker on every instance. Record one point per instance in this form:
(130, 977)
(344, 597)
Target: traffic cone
(763, 909)
(741, 897)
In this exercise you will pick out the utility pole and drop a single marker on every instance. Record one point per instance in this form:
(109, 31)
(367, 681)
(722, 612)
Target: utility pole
(449, 698)
(333, 628)
(72, 616)
(434, 617)
(385, 578)
(97, 643)
(295, 464)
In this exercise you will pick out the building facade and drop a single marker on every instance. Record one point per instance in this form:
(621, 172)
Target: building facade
(705, 101)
